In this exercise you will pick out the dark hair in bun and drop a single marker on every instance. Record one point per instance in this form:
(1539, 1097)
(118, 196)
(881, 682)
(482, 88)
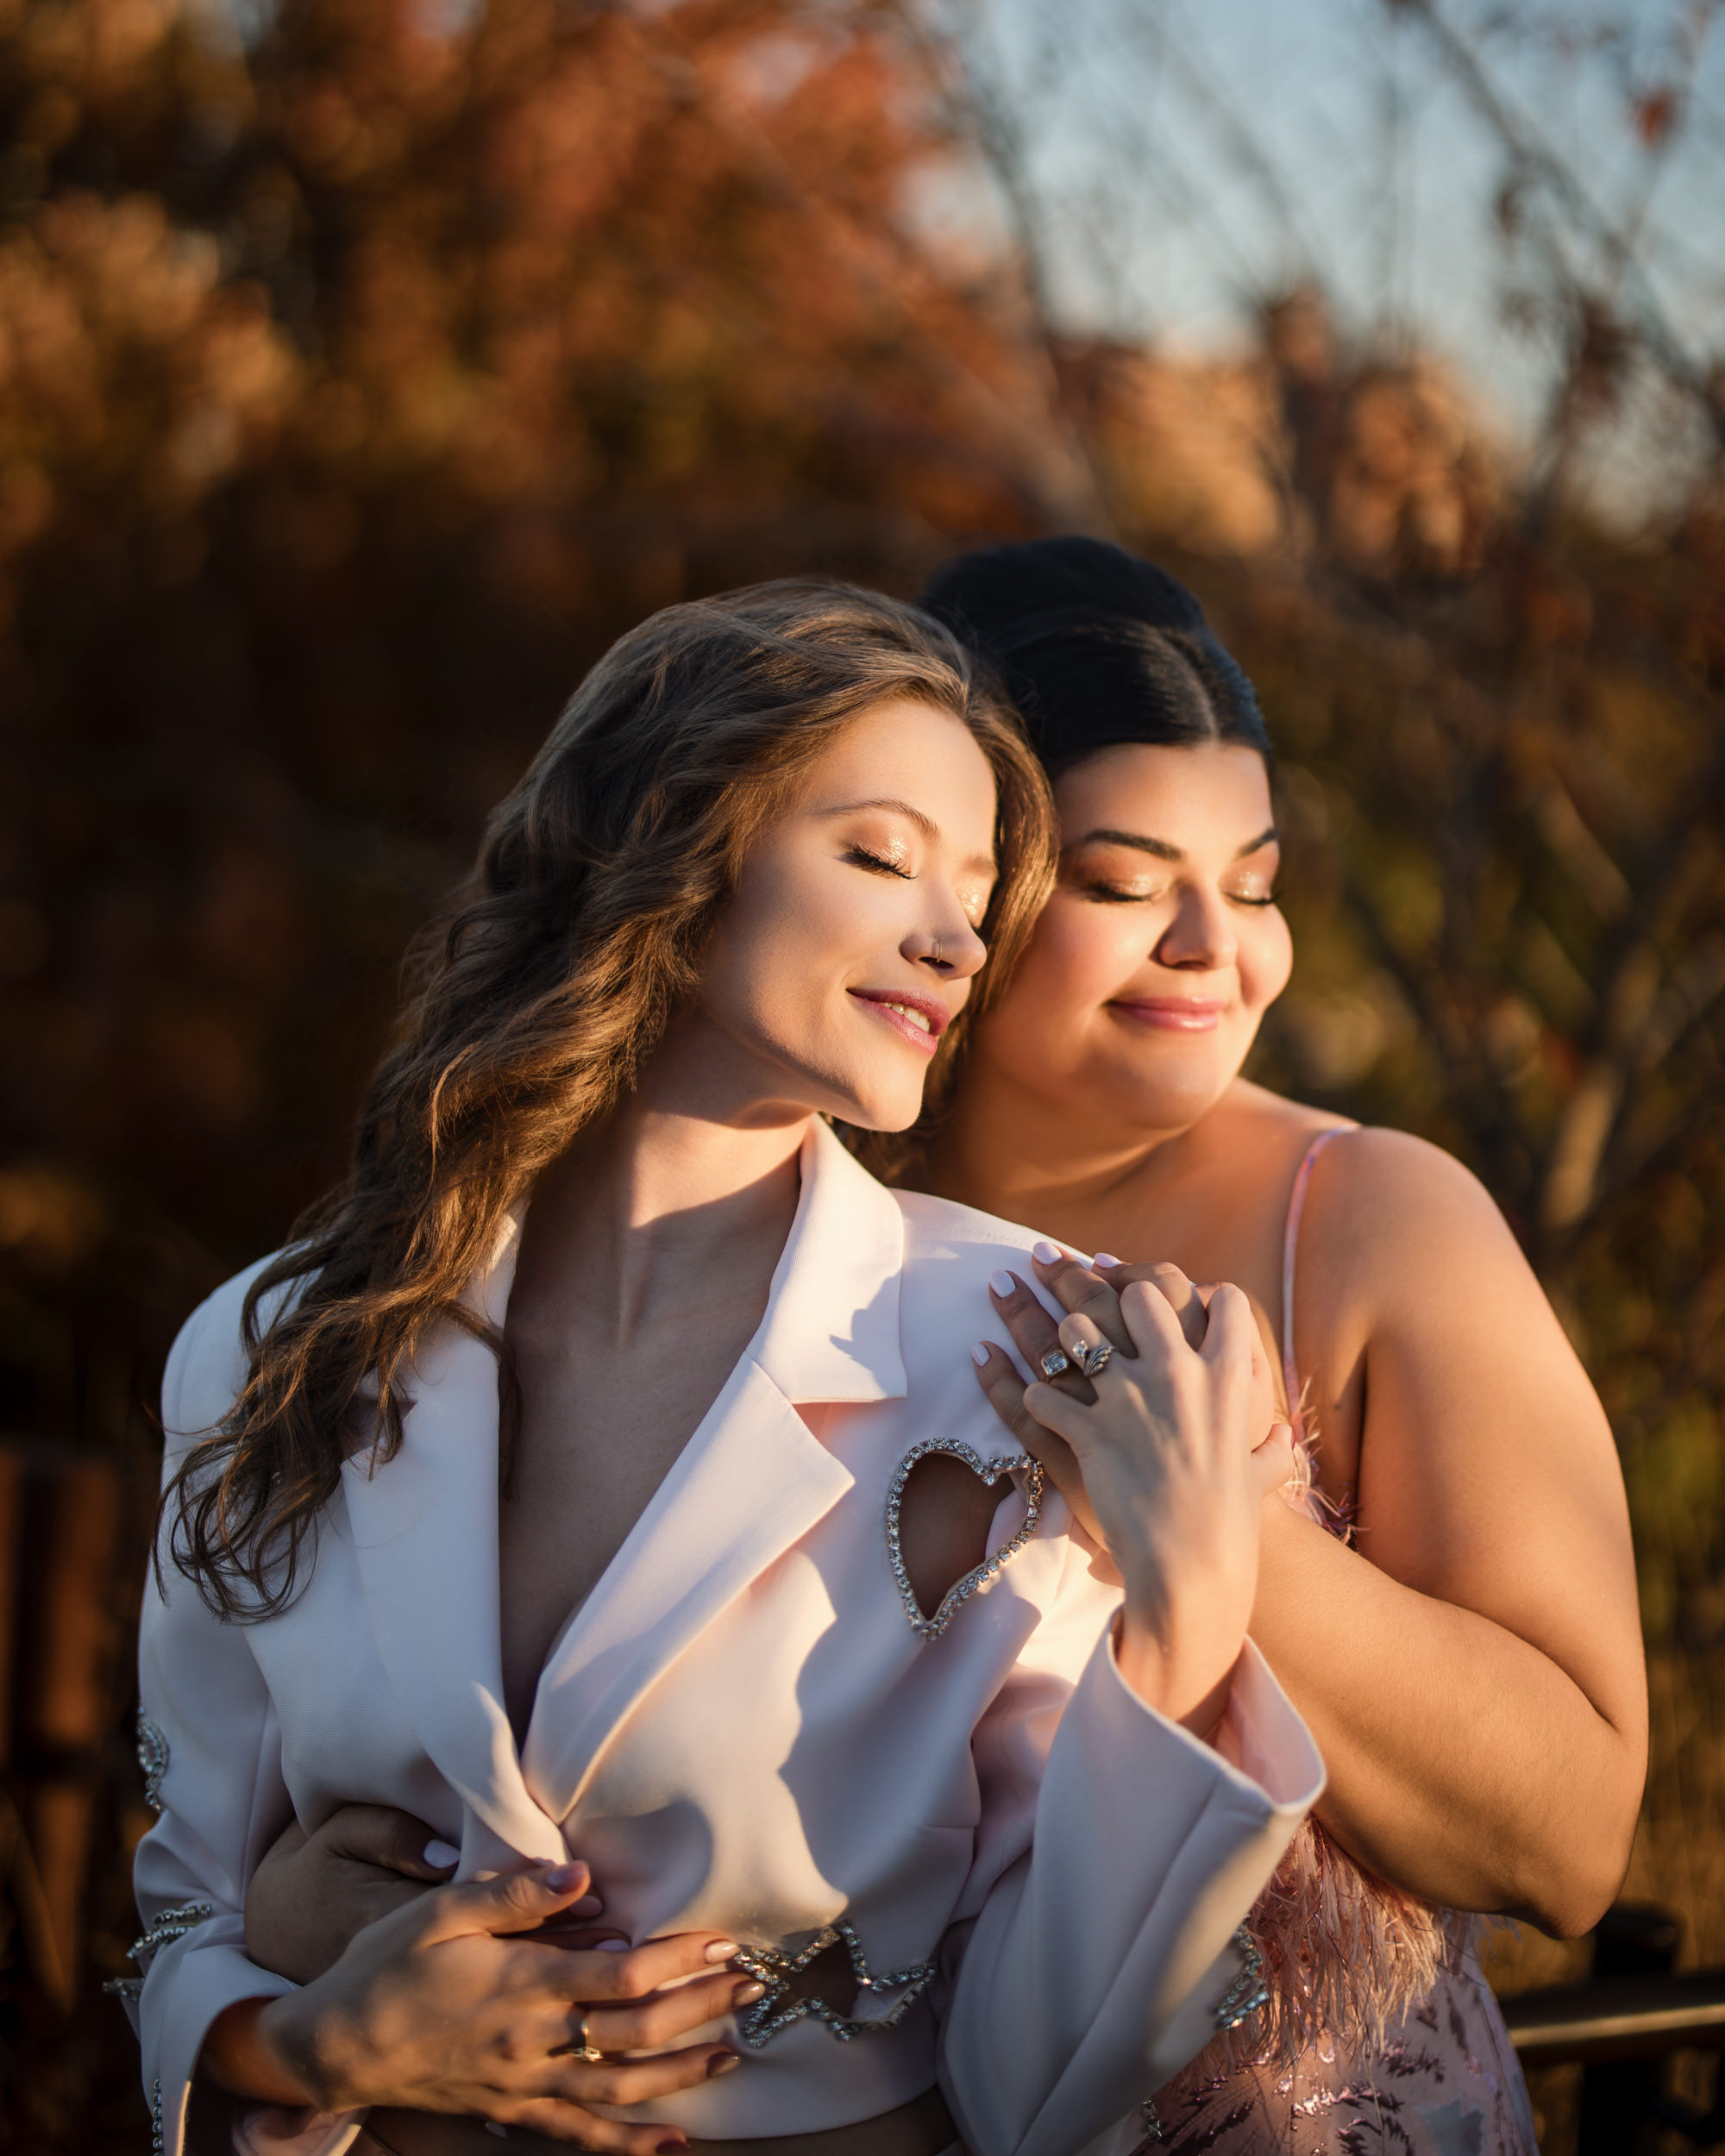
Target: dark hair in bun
(1096, 648)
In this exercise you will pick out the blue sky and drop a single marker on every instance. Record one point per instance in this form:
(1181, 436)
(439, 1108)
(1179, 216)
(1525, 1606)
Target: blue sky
(1191, 154)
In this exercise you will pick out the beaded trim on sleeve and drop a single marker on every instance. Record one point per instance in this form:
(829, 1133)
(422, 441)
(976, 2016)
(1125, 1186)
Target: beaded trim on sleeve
(1248, 1991)
(168, 1924)
(130, 1987)
(156, 2137)
(152, 1758)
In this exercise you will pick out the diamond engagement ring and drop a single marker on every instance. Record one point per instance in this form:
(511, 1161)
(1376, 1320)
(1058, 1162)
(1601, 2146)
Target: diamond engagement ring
(1054, 1362)
(1092, 1361)
(583, 2049)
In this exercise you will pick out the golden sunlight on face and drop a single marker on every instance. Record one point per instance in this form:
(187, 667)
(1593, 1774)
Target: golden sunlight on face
(1161, 947)
(850, 941)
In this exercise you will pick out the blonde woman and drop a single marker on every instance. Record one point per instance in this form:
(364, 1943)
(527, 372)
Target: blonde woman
(601, 1477)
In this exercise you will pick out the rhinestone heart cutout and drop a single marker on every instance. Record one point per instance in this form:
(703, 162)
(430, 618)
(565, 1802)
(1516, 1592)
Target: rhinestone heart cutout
(975, 1580)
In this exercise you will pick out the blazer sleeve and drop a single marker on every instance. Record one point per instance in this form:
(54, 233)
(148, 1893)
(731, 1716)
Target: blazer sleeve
(209, 1735)
(1116, 1857)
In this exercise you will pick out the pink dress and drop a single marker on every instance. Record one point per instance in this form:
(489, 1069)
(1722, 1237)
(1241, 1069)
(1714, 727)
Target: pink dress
(1379, 2032)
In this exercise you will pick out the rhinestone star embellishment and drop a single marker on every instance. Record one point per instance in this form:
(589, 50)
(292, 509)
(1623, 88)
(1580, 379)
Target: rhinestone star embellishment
(785, 2004)
(1248, 1991)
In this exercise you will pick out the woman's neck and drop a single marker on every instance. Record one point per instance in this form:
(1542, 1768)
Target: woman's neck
(1028, 1158)
(685, 1193)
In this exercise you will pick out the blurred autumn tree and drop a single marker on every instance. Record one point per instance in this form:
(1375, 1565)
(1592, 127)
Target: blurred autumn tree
(360, 381)
(365, 367)
(361, 384)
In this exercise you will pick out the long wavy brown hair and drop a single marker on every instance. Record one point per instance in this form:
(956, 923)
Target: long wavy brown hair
(534, 1000)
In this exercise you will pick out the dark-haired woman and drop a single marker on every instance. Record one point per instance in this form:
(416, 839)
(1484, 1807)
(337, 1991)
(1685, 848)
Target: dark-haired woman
(602, 1477)
(1460, 1631)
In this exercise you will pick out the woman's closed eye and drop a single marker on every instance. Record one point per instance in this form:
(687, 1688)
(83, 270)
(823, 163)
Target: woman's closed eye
(1105, 893)
(1101, 891)
(881, 864)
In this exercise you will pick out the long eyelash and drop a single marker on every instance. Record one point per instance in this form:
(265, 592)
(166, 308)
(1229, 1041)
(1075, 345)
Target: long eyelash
(864, 859)
(1111, 895)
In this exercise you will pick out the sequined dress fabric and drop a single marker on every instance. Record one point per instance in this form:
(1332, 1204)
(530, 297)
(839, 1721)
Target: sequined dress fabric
(1442, 2079)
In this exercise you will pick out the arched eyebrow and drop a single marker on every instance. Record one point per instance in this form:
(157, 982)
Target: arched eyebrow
(925, 824)
(1140, 843)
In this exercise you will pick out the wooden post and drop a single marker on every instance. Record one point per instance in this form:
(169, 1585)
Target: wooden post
(63, 1534)
(1620, 2098)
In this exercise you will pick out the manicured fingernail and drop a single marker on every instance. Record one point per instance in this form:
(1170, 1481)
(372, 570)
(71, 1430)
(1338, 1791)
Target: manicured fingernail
(611, 1945)
(721, 2063)
(501, 2131)
(721, 1950)
(979, 1353)
(1046, 1253)
(560, 1877)
(746, 1993)
(1105, 1257)
(1002, 1284)
(440, 1855)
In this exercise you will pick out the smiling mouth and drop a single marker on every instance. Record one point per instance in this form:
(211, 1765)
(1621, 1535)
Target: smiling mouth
(1173, 1014)
(919, 1021)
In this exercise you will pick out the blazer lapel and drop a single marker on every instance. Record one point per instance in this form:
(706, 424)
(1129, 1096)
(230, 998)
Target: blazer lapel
(751, 1481)
(424, 1530)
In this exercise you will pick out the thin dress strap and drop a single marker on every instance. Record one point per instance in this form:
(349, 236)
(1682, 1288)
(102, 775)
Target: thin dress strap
(1290, 1243)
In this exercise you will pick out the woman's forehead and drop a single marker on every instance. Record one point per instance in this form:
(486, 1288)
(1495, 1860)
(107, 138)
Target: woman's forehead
(1210, 784)
(913, 757)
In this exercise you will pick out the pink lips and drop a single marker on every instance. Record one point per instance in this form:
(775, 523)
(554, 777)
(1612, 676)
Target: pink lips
(1174, 1014)
(926, 1039)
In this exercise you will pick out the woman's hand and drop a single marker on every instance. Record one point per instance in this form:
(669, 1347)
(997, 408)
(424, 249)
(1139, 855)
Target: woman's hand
(1175, 1448)
(451, 2004)
(1092, 1291)
(312, 1894)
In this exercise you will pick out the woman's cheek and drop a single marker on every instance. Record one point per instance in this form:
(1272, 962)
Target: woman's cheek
(1266, 961)
(1068, 971)
(1050, 1012)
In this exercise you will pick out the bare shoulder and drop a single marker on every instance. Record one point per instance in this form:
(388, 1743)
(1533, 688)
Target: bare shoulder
(1391, 1217)
(1392, 1181)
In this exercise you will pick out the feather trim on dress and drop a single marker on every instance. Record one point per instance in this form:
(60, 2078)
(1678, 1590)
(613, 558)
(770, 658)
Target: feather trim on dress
(1345, 1952)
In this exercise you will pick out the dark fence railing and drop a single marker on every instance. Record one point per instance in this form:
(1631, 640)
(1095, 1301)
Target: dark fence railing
(1621, 2028)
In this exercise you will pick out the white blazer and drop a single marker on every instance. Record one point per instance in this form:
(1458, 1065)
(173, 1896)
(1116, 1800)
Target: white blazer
(741, 1728)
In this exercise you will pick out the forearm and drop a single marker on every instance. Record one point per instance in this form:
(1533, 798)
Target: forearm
(1464, 1765)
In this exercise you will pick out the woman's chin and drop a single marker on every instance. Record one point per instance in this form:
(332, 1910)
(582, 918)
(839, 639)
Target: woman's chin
(884, 1108)
(886, 1120)
(1170, 1089)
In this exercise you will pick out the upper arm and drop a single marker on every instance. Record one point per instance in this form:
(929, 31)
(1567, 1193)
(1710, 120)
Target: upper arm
(220, 1789)
(199, 1683)
(1488, 1475)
